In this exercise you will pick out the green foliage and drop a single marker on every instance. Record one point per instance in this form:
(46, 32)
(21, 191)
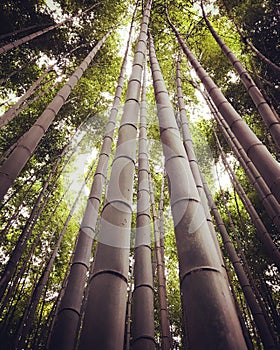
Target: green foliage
(87, 110)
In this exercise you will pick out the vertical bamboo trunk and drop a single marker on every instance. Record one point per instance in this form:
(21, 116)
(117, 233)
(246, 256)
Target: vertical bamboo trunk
(25, 148)
(67, 319)
(13, 284)
(256, 310)
(16, 278)
(143, 293)
(188, 145)
(261, 230)
(271, 120)
(262, 299)
(241, 317)
(104, 322)
(210, 316)
(161, 214)
(166, 338)
(128, 320)
(260, 156)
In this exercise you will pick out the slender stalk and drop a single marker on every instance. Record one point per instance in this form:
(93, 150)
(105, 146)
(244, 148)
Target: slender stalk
(13, 111)
(256, 310)
(247, 42)
(256, 151)
(27, 38)
(188, 145)
(166, 338)
(261, 230)
(26, 322)
(12, 167)
(271, 120)
(18, 31)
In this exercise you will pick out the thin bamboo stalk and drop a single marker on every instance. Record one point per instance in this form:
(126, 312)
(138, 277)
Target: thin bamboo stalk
(256, 151)
(21, 30)
(14, 110)
(26, 322)
(262, 233)
(12, 167)
(166, 337)
(255, 308)
(27, 38)
(271, 120)
(245, 40)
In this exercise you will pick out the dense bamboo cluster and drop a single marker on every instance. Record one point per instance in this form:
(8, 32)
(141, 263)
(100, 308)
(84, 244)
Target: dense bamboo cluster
(114, 293)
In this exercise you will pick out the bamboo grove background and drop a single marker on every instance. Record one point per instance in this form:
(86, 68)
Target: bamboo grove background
(139, 175)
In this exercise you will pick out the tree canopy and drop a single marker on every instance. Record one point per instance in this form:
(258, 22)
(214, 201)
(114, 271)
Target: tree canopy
(43, 211)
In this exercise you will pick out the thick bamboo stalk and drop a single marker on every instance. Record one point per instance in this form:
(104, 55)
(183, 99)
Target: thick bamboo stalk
(210, 316)
(188, 145)
(12, 167)
(67, 319)
(256, 151)
(104, 322)
(143, 293)
(271, 120)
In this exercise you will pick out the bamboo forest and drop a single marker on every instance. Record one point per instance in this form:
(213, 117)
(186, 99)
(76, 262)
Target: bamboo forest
(139, 174)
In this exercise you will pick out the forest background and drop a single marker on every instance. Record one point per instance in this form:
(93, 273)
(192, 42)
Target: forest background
(43, 209)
